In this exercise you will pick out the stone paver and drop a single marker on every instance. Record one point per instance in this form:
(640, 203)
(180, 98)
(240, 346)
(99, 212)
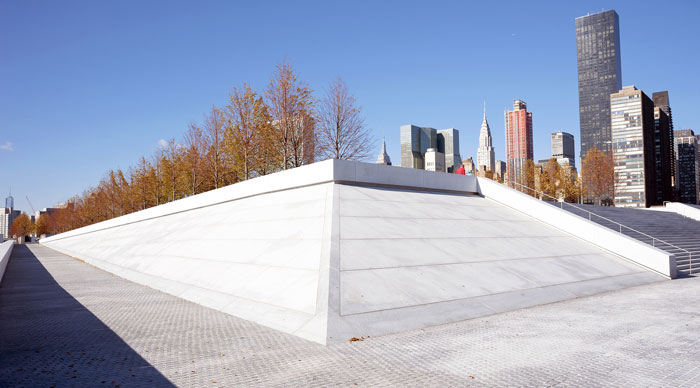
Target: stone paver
(65, 323)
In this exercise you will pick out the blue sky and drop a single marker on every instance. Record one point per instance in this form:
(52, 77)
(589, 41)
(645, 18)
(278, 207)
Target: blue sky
(89, 86)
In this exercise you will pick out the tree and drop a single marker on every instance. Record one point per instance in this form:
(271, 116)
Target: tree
(570, 185)
(21, 226)
(213, 141)
(44, 225)
(342, 133)
(291, 107)
(195, 149)
(527, 177)
(244, 139)
(172, 161)
(550, 178)
(598, 174)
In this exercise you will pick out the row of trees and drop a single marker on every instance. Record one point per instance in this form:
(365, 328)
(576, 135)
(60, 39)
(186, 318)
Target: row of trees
(550, 181)
(555, 181)
(252, 135)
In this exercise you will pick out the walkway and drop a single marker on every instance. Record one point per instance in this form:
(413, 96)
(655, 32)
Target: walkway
(65, 323)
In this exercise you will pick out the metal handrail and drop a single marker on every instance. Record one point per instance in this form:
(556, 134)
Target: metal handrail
(620, 226)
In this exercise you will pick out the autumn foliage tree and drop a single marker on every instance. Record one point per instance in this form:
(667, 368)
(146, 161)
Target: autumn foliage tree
(527, 177)
(598, 175)
(21, 226)
(292, 109)
(248, 133)
(253, 134)
(44, 225)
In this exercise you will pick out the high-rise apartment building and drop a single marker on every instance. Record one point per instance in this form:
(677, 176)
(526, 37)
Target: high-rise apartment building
(633, 148)
(7, 217)
(662, 101)
(415, 142)
(518, 139)
(563, 149)
(663, 156)
(486, 155)
(599, 75)
(688, 165)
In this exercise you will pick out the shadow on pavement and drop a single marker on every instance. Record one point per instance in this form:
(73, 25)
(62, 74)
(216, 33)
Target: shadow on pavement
(47, 338)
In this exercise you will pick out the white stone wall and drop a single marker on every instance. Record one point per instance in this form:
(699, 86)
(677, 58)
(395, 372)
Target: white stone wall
(340, 249)
(5, 252)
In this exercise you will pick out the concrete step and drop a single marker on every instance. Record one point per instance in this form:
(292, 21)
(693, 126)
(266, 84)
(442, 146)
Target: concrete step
(667, 231)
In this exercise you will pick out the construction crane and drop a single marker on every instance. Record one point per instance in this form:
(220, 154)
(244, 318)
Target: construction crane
(30, 204)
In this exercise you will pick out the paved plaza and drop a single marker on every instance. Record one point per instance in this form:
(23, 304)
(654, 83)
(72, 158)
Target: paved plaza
(65, 323)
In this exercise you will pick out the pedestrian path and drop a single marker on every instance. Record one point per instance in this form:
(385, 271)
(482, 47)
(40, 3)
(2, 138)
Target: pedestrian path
(65, 323)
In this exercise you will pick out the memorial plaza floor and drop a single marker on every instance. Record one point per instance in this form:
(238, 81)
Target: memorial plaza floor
(65, 323)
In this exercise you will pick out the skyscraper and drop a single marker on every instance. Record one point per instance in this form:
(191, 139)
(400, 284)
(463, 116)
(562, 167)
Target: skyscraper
(485, 155)
(688, 166)
(599, 75)
(633, 148)
(415, 142)
(563, 149)
(10, 202)
(383, 157)
(518, 139)
(662, 101)
(448, 143)
(663, 156)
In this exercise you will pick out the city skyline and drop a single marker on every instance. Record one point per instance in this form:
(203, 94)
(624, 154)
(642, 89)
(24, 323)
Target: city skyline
(64, 102)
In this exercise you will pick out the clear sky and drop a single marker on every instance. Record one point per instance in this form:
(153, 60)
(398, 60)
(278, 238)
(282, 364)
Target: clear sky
(86, 86)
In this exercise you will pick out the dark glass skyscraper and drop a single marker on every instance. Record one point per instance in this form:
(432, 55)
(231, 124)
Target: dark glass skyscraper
(598, 51)
(688, 166)
(661, 100)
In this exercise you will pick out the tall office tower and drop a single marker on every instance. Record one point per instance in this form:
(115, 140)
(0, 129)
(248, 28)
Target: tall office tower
(485, 155)
(383, 157)
(448, 143)
(10, 202)
(415, 142)
(663, 156)
(598, 53)
(632, 120)
(518, 139)
(563, 149)
(662, 101)
(688, 165)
